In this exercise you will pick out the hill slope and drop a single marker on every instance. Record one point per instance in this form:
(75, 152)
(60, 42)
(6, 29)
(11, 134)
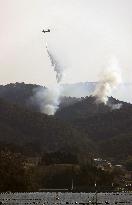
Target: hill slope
(109, 130)
(18, 93)
(24, 95)
(88, 107)
(102, 124)
(38, 132)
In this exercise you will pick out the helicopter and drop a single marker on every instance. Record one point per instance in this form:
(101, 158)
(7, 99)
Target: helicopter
(45, 31)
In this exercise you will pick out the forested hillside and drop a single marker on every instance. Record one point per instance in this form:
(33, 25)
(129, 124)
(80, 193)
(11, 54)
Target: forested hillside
(18, 93)
(37, 132)
(66, 143)
(108, 129)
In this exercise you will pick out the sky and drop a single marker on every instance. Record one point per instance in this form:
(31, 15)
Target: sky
(84, 35)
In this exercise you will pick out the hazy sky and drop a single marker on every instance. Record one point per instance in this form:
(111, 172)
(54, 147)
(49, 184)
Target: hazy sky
(85, 34)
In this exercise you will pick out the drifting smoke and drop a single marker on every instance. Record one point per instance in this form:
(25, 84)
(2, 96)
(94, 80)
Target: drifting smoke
(116, 106)
(54, 64)
(109, 80)
(49, 99)
(56, 67)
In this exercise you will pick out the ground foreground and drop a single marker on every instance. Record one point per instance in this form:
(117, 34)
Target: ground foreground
(65, 198)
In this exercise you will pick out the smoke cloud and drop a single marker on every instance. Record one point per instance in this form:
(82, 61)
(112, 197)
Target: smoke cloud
(116, 106)
(109, 80)
(49, 98)
(57, 68)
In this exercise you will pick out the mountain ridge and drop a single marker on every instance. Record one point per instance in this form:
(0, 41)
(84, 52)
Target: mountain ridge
(97, 126)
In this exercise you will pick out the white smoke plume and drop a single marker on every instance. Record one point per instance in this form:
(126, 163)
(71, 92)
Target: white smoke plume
(110, 79)
(54, 63)
(49, 99)
(116, 106)
(57, 68)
